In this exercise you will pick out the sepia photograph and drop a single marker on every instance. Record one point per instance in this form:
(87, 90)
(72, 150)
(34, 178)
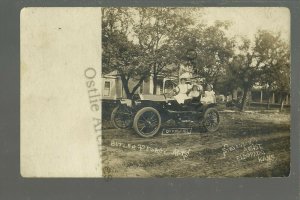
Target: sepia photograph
(122, 92)
(195, 92)
(130, 99)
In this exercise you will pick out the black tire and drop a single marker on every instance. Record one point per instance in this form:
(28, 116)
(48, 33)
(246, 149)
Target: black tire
(121, 117)
(147, 122)
(211, 120)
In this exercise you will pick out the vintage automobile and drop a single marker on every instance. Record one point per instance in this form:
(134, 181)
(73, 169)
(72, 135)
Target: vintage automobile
(146, 113)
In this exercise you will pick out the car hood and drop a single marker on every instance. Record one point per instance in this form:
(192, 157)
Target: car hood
(152, 97)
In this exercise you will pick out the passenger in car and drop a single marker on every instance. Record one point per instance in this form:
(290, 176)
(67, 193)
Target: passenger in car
(194, 92)
(209, 95)
(182, 89)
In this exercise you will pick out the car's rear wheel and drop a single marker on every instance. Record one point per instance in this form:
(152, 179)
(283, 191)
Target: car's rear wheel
(121, 117)
(211, 120)
(147, 122)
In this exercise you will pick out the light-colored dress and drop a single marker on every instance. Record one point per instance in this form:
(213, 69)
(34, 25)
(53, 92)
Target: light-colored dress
(183, 89)
(209, 97)
(194, 94)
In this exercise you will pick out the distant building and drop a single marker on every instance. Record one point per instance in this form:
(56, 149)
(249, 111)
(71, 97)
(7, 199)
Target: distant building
(260, 95)
(112, 86)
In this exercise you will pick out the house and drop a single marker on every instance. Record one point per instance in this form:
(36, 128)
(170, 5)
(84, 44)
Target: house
(261, 96)
(112, 86)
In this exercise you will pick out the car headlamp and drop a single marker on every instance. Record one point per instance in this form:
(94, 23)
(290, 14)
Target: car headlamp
(137, 102)
(128, 102)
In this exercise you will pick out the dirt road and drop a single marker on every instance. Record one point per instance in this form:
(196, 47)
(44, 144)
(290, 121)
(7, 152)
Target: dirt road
(246, 144)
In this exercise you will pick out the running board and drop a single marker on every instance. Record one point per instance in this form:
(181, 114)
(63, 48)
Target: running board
(178, 112)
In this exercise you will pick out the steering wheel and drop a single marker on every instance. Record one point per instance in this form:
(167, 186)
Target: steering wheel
(171, 93)
(176, 91)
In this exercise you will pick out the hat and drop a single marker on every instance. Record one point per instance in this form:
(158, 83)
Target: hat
(199, 87)
(194, 85)
(211, 86)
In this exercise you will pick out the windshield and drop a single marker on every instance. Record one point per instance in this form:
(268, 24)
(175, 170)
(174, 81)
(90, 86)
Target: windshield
(169, 85)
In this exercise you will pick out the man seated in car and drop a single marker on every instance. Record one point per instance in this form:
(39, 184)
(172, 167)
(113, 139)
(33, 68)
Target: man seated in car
(196, 93)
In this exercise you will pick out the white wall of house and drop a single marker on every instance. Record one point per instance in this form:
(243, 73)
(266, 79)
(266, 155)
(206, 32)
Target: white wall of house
(108, 88)
(151, 85)
(112, 87)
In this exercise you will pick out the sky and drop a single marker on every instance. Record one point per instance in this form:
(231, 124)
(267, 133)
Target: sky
(246, 21)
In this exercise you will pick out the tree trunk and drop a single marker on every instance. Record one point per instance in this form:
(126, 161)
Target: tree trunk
(269, 100)
(129, 95)
(281, 102)
(281, 106)
(244, 99)
(234, 94)
(125, 86)
(280, 98)
(249, 97)
(138, 84)
(125, 80)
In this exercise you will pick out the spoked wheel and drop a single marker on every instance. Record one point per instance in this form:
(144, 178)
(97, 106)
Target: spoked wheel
(147, 122)
(211, 120)
(121, 117)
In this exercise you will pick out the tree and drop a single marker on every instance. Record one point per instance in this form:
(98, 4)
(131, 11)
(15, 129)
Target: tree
(157, 30)
(215, 52)
(137, 42)
(118, 52)
(276, 62)
(208, 50)
(260, 63)
(283, 83)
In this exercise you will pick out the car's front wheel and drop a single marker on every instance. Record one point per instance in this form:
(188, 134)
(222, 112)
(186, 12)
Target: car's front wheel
(211, 120)
(147, 122)
(121, 117)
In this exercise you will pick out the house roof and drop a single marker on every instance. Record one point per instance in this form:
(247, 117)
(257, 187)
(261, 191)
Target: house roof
(113, 74)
